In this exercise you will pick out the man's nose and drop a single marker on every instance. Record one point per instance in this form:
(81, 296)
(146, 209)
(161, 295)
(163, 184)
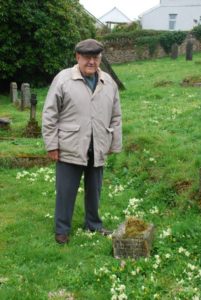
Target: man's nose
(92, 59)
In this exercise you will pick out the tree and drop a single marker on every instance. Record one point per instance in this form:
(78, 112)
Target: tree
(37, 38)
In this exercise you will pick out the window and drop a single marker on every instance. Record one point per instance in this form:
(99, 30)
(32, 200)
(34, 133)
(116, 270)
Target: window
(172, 21)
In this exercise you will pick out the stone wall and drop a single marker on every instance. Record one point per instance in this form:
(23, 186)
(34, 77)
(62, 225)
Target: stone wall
(125, 50)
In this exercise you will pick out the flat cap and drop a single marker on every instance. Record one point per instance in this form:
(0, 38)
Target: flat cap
(89, 46)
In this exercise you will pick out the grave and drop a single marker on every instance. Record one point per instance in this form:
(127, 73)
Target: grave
(4, 123)
(25, 96)
(33, 130)
(189, 48)
(133, 243)
(174, 51)
(14, 93)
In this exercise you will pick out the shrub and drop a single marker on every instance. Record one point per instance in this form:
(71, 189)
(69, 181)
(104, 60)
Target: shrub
(38, 37)
(167, 39)
(150, 41)
(197, 32)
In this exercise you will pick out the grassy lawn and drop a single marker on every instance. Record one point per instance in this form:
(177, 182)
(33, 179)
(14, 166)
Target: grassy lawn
(156, 178)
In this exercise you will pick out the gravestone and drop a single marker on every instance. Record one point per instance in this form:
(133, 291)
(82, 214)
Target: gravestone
(132, 247)
(105, 65)
(33, 129)
(33, 107)
(13, 93)
(189, 48)
(174, 51)
(4, 123)
(25, 96)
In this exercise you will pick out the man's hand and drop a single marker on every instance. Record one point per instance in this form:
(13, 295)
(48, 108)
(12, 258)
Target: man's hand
(54, 154)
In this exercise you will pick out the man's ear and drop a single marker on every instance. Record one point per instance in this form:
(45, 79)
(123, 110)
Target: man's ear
(77, 56)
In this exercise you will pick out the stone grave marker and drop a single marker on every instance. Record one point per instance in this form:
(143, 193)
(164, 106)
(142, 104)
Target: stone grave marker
(136, 246)
(174, 51)
(25, 95)
(33, 129)
(189, 48)
(13, 93)
(4, 123)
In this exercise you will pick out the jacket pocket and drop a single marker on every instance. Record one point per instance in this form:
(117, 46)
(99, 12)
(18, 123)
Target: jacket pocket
(69, 138)
(109, 135)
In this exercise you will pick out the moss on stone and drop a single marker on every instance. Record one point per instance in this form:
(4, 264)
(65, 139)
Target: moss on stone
(133, 227)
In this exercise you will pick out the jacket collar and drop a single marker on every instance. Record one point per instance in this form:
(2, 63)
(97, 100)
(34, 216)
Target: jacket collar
(76, 74)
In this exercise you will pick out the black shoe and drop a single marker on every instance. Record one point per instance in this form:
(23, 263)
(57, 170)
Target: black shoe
(61, 238)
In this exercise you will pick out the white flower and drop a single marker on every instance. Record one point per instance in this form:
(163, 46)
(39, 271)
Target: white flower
(113, 277)
(187, 253)
(48, 216)
(121, 288)
(152, 159)
(196, 298)
(181, 249)
(112, 290)
(154, 210)
(166, 233)
(192, 267)
(122, 297)
(167, 255)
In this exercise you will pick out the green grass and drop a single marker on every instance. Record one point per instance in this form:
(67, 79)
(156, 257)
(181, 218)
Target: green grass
(159, 164)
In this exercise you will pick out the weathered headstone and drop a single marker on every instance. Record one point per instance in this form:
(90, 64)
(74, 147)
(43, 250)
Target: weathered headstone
(25, 95)
(174, 51)
(189, 48)
(133, 247)
(33, 107)
(13, 92)
(32, 129)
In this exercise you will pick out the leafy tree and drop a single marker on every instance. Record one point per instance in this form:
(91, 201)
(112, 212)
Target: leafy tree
(37, 38)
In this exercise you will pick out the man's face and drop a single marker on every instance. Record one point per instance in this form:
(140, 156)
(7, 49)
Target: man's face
(88, 63)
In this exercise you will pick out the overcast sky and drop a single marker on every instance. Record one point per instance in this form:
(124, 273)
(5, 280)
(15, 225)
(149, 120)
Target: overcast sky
(131, 8)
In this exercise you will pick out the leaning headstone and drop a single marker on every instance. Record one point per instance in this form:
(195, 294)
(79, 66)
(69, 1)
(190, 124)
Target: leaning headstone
(136, 246)
(13, 93)
(174, 51)
(25, 95)
(105, 65)
(189, 48)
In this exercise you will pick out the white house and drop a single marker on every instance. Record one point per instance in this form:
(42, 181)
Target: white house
(172, 15)
(114, 17)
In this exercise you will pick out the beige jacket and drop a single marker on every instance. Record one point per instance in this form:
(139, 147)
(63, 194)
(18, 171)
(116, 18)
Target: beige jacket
(72, 112)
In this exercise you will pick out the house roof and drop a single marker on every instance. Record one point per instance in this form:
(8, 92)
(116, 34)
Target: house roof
(171, 3)
(114, 16)
(149, 10)
(97, 21)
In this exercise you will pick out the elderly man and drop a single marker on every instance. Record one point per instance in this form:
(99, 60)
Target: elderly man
(81, 125)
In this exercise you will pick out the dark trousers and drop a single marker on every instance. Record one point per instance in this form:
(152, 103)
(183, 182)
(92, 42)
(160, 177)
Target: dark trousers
(68, 178)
